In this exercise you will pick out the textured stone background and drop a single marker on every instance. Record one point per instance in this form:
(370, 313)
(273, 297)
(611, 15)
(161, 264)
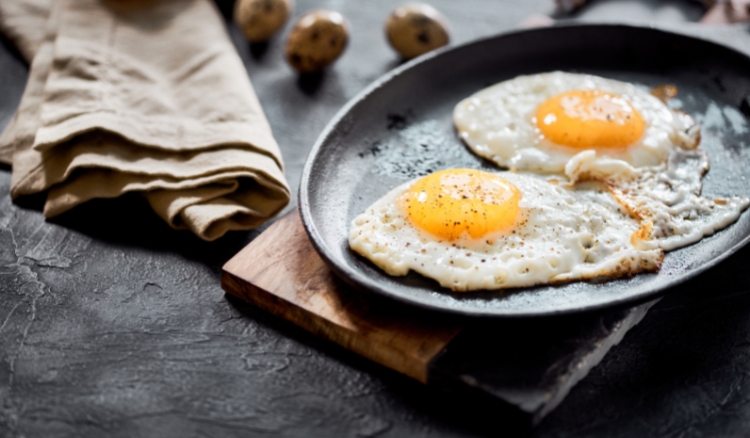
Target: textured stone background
(113, 325)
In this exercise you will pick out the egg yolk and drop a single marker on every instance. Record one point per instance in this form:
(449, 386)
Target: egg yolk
(451, 202)
(589, 118)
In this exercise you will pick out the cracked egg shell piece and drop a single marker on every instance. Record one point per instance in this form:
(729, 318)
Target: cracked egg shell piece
(522, 123)
(559, 235)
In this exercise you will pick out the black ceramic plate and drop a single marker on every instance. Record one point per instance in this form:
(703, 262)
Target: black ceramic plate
(401, 127)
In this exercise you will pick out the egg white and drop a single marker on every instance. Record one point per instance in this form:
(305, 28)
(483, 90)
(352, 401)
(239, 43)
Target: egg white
(666, 196)
(498, 123)
(562, 235)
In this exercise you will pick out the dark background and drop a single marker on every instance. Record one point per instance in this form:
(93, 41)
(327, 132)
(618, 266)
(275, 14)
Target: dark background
(112, 324)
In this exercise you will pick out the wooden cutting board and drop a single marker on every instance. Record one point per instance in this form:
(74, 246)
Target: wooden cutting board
(527, 366)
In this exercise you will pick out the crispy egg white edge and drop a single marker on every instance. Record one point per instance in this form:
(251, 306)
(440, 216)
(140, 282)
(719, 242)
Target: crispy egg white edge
(668, 195)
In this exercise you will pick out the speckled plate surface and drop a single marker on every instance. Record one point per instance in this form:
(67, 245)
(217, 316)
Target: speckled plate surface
(401, 127)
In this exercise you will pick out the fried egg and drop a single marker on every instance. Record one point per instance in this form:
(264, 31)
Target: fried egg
(596, 129)
(473, 230)
(539, 122)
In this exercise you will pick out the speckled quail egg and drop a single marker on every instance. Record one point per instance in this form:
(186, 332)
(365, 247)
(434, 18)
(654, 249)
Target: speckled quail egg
(317, 39)
(259, 20)
(416, 28)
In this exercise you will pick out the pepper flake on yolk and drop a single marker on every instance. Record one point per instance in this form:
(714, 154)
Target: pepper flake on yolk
(589, 118)
(451, 202)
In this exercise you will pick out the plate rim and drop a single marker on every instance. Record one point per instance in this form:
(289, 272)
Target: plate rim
(369, 285)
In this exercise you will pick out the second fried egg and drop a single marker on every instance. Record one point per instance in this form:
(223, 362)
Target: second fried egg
(538, 122)
(473, 230)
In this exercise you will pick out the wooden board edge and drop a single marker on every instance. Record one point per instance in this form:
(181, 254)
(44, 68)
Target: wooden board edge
(385, 355)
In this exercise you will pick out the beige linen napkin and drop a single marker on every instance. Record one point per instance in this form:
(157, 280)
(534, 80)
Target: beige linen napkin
(23, 23)
(145, 96)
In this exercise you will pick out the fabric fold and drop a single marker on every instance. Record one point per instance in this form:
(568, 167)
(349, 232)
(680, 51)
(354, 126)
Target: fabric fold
(23, 22)
(149, 97)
